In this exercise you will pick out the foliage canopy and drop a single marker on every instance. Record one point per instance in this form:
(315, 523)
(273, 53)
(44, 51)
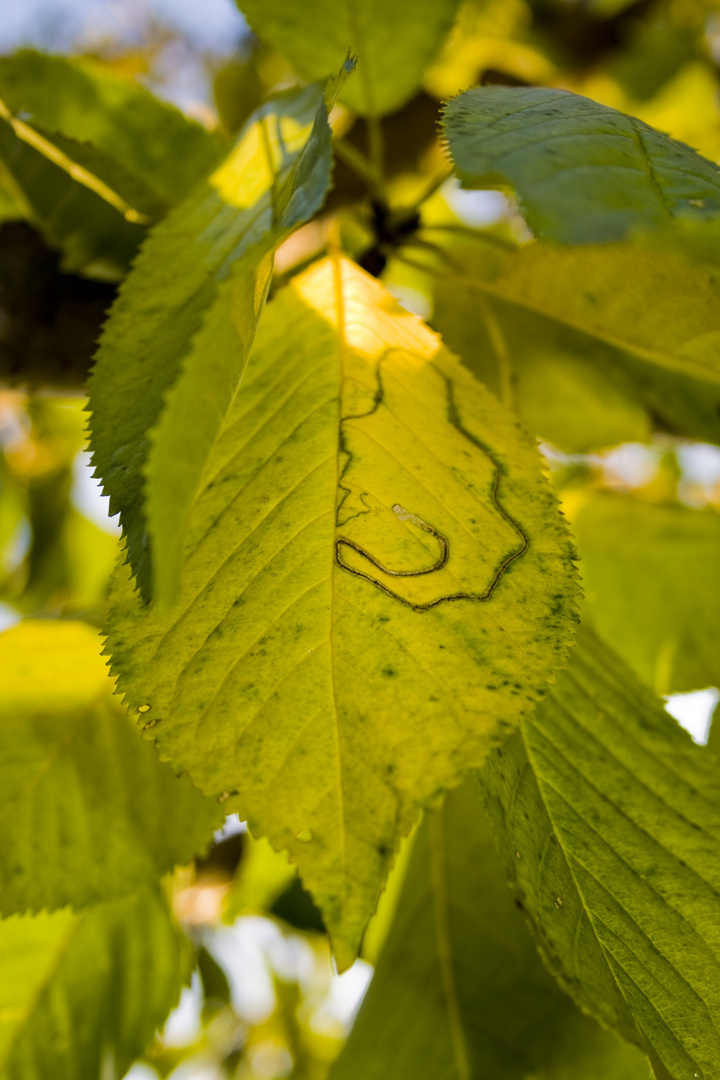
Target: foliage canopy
(383, 589)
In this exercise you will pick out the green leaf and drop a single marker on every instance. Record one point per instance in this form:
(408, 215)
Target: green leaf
(127, 128)
(376, 584)
(459, 990)
(583, 173)
(86, 809)
(652, 589)
(581, 356)
(175, 346)
(77, 989)
(394, 43)
(609, 820)
(93, 235)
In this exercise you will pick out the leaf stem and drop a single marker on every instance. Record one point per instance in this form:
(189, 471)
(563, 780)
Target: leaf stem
(499, 345)
(376, 145)
(359, 164)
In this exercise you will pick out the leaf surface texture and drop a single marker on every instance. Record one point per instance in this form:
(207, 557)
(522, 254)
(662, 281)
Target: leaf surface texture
(609, 818)
(176, 343)
(583, 172)
(459, 990)
(377, 582)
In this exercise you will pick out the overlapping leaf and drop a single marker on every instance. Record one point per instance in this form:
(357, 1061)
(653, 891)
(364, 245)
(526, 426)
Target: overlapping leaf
(76, 990)
(394, 42)
(588, 339)
(176, 343)
(583, 172)
(652, 587)
(459, 990)
(86, 809)
(376, 584)
(609, 817)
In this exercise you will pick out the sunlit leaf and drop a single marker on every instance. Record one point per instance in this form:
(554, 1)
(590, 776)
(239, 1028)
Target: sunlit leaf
(585, 340)
(86, 809)
(609, 818)
(459, 990)
(376, 584)
(394, 42)
(652, 587)
(177, 340)
(583, 172)
(76, 990)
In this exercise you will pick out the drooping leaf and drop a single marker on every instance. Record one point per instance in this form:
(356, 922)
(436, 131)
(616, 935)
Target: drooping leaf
(77, 989)
(609, 818)
(584, 173)
(459, 990)
(394, 43)
(176, 343)
(652, 587)
(588, 339)
(86, 809)
(376, 584)
(129, 131)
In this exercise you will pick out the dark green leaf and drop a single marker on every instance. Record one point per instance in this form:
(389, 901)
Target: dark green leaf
(609, 820)
(583, 173)
(130, 132)
(459, 990)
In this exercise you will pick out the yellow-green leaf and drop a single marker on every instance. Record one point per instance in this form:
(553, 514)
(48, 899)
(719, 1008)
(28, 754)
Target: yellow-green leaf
(112, 816)
(376, 584)
(175, 346)
(652, 587)
(588, 339)
(77, 989)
